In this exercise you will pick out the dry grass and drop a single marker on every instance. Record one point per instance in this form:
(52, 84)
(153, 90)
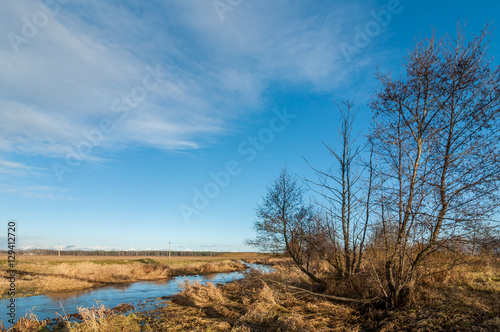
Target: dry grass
(195, 294)
(48, 274)
(124, 259)
(251, 304)
(112, 273)
(463, 299)
(29, 323)
(99, 318)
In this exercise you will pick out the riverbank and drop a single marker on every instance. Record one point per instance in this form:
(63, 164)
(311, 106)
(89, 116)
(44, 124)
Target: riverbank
(464, 299)
(38, 275)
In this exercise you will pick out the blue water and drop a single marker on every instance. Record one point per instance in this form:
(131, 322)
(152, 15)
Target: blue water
(55, 304)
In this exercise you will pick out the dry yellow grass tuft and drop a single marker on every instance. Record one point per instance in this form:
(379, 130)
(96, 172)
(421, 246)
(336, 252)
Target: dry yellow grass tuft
(267, 295)
(197, 295)
(292, 323)
(28, 323)
(100, 318)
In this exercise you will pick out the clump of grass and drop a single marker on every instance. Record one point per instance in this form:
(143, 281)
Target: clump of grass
(292, 323)
(208, 268)
(100, 318)
(28, 323)
(259, 313)
(267, 295)
(197, 295)
(262, 308)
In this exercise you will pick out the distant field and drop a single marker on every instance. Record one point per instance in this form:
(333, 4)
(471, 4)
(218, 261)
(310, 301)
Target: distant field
(105, 258)
(49, 274)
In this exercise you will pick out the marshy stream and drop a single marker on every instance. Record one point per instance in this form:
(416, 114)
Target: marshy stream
(55, 304)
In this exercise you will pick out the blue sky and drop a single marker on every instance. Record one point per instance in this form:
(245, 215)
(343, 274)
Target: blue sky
(114, 115)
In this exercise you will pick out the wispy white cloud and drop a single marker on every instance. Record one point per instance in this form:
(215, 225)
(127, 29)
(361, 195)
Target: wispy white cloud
(68, 77)
(12, 168)
(68, 247)
(37, 192)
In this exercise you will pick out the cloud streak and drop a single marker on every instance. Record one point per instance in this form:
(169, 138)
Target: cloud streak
(67, 79)
(37, 192)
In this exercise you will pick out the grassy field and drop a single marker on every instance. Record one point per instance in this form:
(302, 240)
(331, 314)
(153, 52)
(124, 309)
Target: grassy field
(463, 299)
(51, 274)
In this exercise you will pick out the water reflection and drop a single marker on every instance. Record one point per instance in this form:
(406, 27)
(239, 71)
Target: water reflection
(159, 282)
(210, 276)
(78, 293)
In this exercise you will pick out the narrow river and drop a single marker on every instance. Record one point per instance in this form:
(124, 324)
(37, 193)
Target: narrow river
(52, 305)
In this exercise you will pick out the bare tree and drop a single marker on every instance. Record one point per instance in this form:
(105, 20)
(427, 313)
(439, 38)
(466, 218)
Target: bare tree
(437, 135)
(284, 223)
(344, 223)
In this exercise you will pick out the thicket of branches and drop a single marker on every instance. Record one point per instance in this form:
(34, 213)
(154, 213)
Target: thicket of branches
(429, 181)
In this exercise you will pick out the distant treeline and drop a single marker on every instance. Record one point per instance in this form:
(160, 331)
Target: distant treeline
(115, 252)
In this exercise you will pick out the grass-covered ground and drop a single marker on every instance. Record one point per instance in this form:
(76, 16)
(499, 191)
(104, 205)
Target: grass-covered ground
(464, 299)
(51, 274)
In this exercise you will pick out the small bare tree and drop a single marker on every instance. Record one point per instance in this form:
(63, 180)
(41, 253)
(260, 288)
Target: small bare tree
(284, 223)
(437, 135)
(344, 224)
